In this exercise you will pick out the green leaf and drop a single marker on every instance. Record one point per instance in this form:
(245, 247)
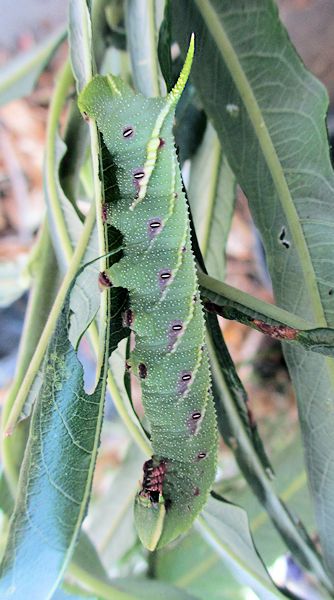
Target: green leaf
(241, 435)
(142, 43)
(114, 534)
(226, 528)
(164, 47)
(189, 125)
(6, 499)
(149, 589)
(86, 557)
(269, 113)
(80, 41)
(290, 484)
(130, 588)
(56, 473)
(211, 178)
(194, 565)
(19, 77)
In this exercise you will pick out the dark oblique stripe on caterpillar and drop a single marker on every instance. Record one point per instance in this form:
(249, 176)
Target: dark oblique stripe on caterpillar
(158, 270)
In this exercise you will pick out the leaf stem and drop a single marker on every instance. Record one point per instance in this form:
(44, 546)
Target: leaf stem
(255, 305)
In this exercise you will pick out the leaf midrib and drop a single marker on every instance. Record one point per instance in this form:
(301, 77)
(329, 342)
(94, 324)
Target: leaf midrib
(244, 88)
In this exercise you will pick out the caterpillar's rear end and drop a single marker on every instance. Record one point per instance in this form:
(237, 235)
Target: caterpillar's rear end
(158, 269)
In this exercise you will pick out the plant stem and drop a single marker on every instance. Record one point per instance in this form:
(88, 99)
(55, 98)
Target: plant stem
(64, 81)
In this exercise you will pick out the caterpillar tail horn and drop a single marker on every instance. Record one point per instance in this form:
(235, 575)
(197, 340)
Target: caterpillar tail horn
(174, 95)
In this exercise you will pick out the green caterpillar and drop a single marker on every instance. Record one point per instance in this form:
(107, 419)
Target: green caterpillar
(147, 205)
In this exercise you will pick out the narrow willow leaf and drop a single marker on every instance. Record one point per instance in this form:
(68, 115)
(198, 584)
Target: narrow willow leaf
(6, 498)
(56, 473)
(72, 592)
(150, 589)
(290, 485)
(142, 42)
(197, 567)
(248, 451)
(19, 76)
(86, 557)
(80, 41)
(189, 125)
(87, 569)
(270, 115)
(114, 535)
(64, 222)
(233, 415)
(164, 47)
(211, 191)
(226, 528)
(223, 299)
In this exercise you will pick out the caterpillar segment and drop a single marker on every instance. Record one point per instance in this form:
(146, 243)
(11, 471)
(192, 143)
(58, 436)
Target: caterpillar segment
(149, 208)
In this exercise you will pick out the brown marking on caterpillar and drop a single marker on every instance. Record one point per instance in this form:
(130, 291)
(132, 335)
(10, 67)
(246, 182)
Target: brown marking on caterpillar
(104, 281)
(196, 491)
(104, 212)
(279, 332)
(127, 318)
(153, 478)
(138, 175)
(201, 455)
(154, 227)
(194, 421)
(175, 328)
(128, 132)
(142, 370)
(184, 381)
(161, 143)
(85, 116)
(164, 275)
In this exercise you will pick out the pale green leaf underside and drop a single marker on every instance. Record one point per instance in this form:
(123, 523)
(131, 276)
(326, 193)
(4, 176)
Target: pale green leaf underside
(276, 143)
(56, 473)
(226, 528)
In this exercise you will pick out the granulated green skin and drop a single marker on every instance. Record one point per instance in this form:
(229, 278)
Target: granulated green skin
(186, 442)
